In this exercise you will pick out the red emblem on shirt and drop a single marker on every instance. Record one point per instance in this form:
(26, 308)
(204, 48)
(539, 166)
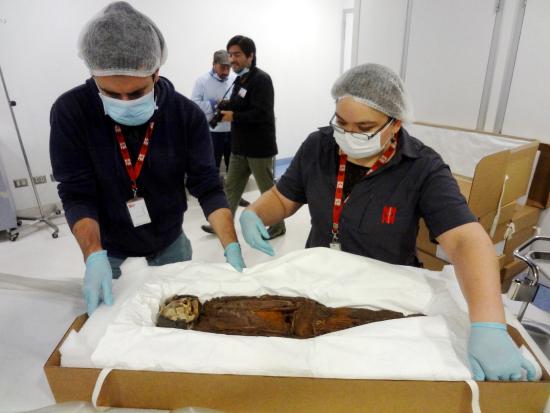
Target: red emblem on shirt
(388, 214)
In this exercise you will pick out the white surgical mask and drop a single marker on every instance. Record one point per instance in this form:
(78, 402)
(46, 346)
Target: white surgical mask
(358, 147)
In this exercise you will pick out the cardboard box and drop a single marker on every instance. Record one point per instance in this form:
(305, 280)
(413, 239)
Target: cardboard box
(436, 263)
(522, 216)
(539, 192)
(525, 219)
(483, 191)
(509, 272)
(506, 213)
(525, 216)
(263, 394)
(515, 241)
(430, 261)
(519, 169)
(424, 242)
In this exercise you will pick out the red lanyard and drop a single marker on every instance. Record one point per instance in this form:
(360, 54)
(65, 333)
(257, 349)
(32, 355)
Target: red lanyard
(133, 172)
(338, 202)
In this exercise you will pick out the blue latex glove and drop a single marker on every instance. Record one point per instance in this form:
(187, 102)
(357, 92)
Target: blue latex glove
(234, 256)
(213, 104)
(255, 233)
(98, 279)
(494, 356)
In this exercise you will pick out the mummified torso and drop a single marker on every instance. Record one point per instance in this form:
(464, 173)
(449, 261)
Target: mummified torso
(268, 315)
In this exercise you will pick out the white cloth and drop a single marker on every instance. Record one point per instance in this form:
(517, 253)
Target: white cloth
(451, 144)
(417, 348)
(78, 347)
(426, 348)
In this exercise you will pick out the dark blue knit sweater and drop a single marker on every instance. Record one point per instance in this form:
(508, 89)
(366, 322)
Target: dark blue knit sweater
(94, 183)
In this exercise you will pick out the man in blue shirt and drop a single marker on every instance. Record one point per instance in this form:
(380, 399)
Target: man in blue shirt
(210, 90)
(123, 147)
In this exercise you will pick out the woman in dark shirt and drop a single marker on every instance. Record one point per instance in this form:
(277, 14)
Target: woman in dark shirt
(367, 183)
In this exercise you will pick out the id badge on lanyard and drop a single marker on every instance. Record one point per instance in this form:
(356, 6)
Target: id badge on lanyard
(138, 211)
(242, 92)
(338, 195)
(137, 208)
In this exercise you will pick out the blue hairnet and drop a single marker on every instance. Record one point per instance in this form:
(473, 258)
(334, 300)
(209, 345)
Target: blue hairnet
(376, 86)
(122, 41)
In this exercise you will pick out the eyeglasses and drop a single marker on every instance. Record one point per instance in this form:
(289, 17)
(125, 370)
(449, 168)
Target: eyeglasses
(359, 135)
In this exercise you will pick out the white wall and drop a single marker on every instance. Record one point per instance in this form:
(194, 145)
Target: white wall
(298, 44)
(446, 63)
(448, 53)
(528, 110)
(381, 29)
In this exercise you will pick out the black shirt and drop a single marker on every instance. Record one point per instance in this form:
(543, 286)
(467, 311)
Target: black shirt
(253, 126)
(354, 173)
(415, 183)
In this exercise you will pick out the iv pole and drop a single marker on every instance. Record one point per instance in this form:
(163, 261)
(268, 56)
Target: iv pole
(42, 218)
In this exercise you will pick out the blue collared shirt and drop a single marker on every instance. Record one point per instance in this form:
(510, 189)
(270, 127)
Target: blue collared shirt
(210, 89)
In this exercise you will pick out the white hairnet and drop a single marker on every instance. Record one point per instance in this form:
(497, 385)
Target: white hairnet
(122, 41)
(376, 86)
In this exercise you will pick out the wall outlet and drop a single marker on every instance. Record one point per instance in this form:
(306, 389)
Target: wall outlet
(41, 179)
(21, 182)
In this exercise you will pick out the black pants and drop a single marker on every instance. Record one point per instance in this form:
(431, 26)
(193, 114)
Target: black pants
(221, 141)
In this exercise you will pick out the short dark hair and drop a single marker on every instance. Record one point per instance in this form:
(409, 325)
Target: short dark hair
(246, 44)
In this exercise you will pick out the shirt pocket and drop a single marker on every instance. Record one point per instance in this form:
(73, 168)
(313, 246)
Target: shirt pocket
(378, 217)
(386, 229)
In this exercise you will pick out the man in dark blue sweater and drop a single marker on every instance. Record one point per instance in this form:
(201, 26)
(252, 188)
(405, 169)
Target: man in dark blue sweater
(123, 147)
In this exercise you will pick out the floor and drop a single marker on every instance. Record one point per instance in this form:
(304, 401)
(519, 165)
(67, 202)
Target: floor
(40, 280)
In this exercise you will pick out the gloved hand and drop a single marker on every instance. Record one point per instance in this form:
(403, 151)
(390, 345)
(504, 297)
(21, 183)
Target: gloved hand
(234, 256)
(255, 233)
(213, 104)
(494, 356)
(98, 279)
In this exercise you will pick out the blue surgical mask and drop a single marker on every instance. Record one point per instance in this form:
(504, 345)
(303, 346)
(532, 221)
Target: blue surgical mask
(243, 71)
(217, 77)
(130, 112)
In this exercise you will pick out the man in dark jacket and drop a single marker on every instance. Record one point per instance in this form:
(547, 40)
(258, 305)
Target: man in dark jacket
(250, 111)
(123, 147)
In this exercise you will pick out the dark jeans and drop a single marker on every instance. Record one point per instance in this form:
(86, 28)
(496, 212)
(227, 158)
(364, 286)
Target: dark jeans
(179, 250)
(221, 141)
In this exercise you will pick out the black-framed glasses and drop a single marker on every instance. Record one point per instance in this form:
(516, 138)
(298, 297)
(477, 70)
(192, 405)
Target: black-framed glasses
(359, 135)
